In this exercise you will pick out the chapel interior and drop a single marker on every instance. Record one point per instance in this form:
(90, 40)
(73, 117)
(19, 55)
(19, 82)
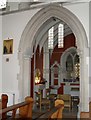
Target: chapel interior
(47, 46)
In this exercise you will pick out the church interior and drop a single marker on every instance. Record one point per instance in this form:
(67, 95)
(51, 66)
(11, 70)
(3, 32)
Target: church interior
(45, 54)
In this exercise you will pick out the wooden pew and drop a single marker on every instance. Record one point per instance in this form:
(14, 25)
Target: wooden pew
(25, 109)
(84, 115)
(3, 103)
(90, 110)
(58, 113)
(54, 113)
(4, 99)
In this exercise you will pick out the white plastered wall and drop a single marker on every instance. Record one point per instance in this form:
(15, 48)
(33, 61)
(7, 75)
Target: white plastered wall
(81, 10)
(13, 26)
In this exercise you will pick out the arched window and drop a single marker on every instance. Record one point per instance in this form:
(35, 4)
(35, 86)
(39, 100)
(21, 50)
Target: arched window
(60, 35)
(50, 37)
(72, 66)
(69, 63)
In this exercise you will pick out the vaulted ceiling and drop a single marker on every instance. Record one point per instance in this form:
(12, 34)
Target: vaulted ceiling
(42, 34)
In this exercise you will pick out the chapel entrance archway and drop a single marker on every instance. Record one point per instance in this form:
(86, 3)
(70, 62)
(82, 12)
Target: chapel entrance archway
(26, 49)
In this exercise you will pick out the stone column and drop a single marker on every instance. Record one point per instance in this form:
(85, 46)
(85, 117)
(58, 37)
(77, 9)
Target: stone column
(46, 67)
(26, 77)
(46, 64)
(84, 81)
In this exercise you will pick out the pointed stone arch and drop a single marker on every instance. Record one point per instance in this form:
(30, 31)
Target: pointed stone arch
(25, 50)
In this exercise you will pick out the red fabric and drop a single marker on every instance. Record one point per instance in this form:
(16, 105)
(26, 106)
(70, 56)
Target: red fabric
(61, 88)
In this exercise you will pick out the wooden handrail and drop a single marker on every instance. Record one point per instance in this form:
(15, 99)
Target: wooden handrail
(49, 113)
(16, 106)
(26, 112)
(25, 108)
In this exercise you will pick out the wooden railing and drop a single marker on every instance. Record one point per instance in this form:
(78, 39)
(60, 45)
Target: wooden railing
(25, 109)
(90, 109)
(3, 102)
(48, 114)
(54, 113)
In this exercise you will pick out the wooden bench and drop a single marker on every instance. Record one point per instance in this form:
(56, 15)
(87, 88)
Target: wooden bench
(67, 100)
(54, 113)
(3, 103)
(25, 109)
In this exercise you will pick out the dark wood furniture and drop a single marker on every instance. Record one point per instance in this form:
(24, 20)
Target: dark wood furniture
(54, 113)
(41, 101)
(86, 115)
(25, 109)
(3, 103)
(67, 100)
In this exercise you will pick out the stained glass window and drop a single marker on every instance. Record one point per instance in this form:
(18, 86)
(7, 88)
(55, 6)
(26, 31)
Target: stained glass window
(60, 36)
(50, 37)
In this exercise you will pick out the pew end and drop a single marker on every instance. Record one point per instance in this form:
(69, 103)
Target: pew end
(25, 109)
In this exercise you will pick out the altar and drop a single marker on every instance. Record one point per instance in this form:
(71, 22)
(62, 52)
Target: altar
(54, 89)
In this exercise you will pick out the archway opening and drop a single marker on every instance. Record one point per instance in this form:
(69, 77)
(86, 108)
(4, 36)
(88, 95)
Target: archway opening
(26, 50)
(57, 64)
